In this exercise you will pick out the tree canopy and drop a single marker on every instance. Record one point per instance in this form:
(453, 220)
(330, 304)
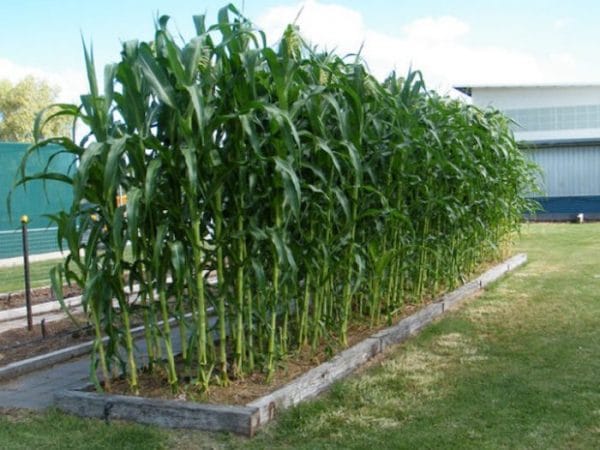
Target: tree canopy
(19, 105)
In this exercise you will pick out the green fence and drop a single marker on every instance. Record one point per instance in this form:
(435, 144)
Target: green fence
(36, 200)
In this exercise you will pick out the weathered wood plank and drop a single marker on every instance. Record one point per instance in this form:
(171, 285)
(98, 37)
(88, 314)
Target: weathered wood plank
(410, 325)
(496, 272)
(316, 380)
(453, 299)
(165, 413)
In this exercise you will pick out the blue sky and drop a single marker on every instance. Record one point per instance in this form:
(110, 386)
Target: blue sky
(453, 42)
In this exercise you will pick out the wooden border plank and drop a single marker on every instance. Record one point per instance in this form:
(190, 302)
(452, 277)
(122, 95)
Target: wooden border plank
(316, 380)
(165, 413)
(410, 325)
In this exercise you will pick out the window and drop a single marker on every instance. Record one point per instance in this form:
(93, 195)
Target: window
(556, 118)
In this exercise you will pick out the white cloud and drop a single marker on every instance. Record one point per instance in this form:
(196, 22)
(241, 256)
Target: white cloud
(439, 46)
(561, 23)
(329, 25)
(563, 58)
(431, 29)
(71, 83)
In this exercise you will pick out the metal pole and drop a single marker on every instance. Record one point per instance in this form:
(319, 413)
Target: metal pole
(24, 221)
(43, 326)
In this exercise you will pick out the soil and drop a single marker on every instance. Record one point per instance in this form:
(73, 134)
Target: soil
(244, 390)
(19, 344)
(38, 295)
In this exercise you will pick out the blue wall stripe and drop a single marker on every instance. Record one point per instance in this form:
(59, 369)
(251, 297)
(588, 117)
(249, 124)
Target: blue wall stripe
(570, 205)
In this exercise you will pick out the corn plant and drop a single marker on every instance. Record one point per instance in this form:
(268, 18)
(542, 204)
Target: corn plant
(275, 196)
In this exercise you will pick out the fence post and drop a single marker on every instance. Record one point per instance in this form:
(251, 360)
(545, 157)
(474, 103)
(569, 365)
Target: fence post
(24, 221)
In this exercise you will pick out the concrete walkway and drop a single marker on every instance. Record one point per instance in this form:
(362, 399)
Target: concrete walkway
(36, 390)
(18, 261)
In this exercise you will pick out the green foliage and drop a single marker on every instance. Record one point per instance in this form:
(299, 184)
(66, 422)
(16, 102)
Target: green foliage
(19, 105)
(21, 430)
(514, 368)
(314, 193)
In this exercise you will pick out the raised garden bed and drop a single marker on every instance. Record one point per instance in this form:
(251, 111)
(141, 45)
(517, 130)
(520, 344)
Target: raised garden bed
(18, 344)
(38, 353)
(246, 419)
(63, 339)
(11, 300)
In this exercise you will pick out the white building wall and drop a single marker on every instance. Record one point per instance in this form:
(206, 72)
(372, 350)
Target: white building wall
(535, 96)
(561, 115)
(556, 135)
(566, 112)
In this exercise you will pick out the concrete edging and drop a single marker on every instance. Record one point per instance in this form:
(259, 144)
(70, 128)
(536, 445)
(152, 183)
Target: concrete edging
(245, 420)
(39, 308)
(16, 261)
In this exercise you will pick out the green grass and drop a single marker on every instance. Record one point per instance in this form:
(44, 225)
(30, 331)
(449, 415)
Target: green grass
(516, 368)
(12, 278)
(54, 430)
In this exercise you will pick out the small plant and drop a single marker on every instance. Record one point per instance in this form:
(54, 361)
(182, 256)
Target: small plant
(311, 192)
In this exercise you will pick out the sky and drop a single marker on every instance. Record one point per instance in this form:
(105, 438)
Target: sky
(452, 42)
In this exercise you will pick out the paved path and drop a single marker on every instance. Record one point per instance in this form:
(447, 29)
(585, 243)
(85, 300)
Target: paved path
(18, 261)
(36, 390)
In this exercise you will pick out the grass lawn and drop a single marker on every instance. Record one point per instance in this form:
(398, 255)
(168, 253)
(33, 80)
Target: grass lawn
(516, 368)
(12, 278)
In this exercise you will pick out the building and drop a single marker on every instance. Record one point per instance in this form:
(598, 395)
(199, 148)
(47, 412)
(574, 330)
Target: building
(559, 129)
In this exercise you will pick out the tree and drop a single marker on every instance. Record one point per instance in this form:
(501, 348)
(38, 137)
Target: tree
(19, 105)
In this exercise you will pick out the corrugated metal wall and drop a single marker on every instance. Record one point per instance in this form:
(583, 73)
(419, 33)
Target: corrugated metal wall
(568, 171)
